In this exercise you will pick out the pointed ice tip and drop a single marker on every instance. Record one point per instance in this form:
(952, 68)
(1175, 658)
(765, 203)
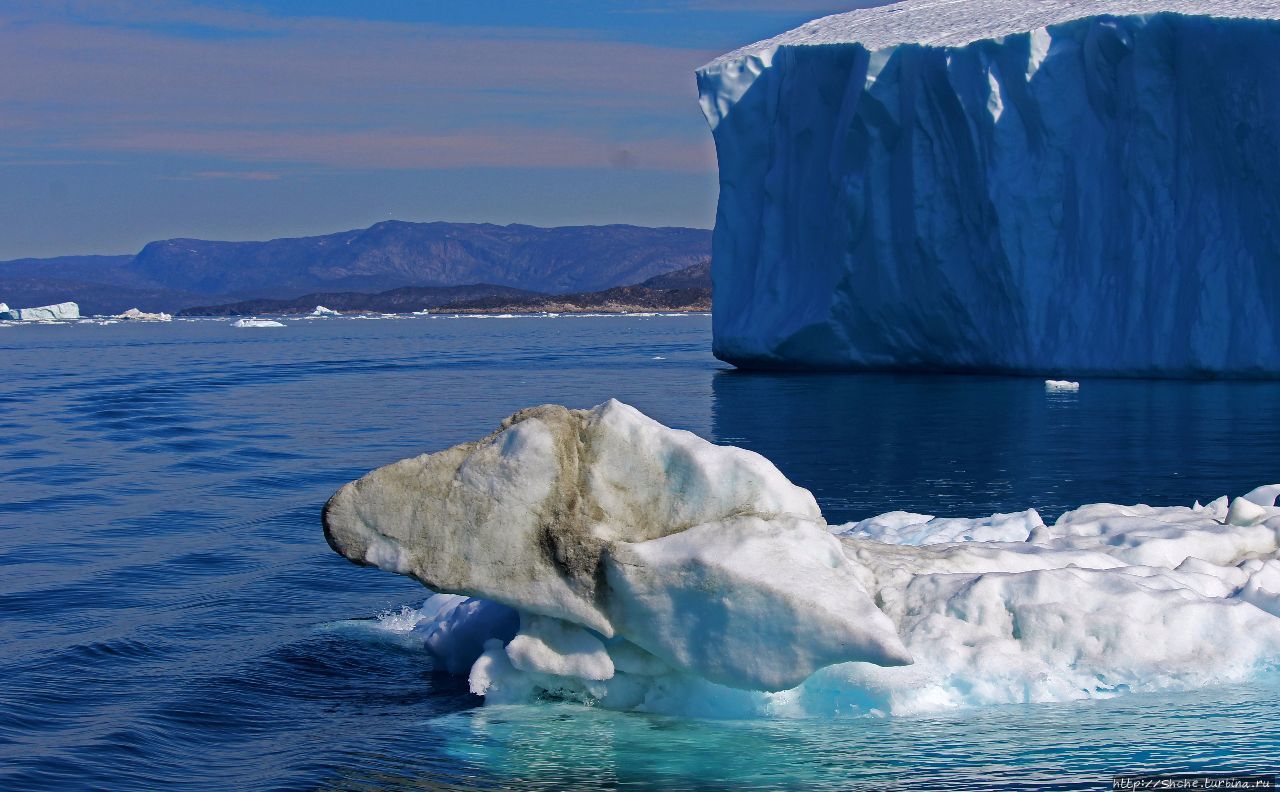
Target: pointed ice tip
(612, 404)
(897, 654)
(1264, 496)
(331, 530)
(1244, 513)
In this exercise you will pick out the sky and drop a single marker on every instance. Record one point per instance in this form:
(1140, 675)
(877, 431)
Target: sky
(124, 121)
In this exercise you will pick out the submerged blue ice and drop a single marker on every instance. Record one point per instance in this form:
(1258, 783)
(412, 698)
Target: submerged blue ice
(1013, 186)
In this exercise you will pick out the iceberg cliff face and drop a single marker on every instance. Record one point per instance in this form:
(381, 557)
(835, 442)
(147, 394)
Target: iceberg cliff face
(1008, 186)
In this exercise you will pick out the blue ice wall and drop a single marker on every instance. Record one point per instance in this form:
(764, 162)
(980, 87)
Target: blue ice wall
(1100, 196)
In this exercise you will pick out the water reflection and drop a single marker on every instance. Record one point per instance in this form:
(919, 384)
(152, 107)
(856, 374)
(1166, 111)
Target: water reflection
(965, 446)
(1058, 746)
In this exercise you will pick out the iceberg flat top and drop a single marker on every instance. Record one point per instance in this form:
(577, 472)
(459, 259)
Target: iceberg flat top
(955, 23)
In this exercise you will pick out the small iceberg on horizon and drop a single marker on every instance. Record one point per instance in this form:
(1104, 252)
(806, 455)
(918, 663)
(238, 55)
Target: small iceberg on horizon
(598, 556)
(1061, 386)
(254, 322)
(138, 315)
(320, 310)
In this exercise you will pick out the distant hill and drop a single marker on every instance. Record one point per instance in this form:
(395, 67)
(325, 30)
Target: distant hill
(619, 299)
(687, 289)
(181, 273)
(697, 276)
(406, 299)
(93, 298)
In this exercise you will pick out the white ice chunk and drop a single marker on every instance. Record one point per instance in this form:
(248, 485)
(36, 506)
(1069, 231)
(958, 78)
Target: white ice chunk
(1245, 512)
(748, 603)
(552, 646)
(1218, 508)
(887, 527)
(524, 516)
(1263, 496)
(1263, 586)
(921, 529)
(455, 629)
(249, 322)
(137, 315)
(1051, 635)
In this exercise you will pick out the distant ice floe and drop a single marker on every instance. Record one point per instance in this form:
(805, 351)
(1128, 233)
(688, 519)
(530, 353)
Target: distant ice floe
(1061, 386)
(248, 322)
(614, 561)
(136, 315)
(320, 310)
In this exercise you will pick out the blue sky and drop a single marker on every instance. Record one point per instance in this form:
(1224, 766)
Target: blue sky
(123, 121)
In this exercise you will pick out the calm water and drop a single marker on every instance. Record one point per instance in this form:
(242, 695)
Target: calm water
(173, 617)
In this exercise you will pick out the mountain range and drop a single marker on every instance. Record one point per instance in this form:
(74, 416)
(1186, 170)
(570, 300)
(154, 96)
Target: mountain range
(175, 274)
(687, 289)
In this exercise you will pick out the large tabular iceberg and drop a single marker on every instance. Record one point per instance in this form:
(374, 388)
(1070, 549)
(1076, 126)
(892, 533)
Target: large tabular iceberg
(1004, 186)
(44, 313)
(600, 556)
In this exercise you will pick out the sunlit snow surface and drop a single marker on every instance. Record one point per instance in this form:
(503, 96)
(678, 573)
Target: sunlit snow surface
(648, 569)
(954, 23)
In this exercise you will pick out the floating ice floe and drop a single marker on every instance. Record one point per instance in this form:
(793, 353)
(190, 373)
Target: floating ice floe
(320, 310)
(1061, 386)
(137, 315)
(256, 323)
(599, 556)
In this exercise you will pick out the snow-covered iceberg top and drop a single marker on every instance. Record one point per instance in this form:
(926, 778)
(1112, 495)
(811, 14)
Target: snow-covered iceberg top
(955, 23)
(600, 556)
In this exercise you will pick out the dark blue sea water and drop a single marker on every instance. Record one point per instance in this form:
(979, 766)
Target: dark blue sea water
(170, 615)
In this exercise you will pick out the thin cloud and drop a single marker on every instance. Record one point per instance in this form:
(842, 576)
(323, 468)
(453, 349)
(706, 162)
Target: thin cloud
(227, 175)
(391, 149)
(349, 94)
